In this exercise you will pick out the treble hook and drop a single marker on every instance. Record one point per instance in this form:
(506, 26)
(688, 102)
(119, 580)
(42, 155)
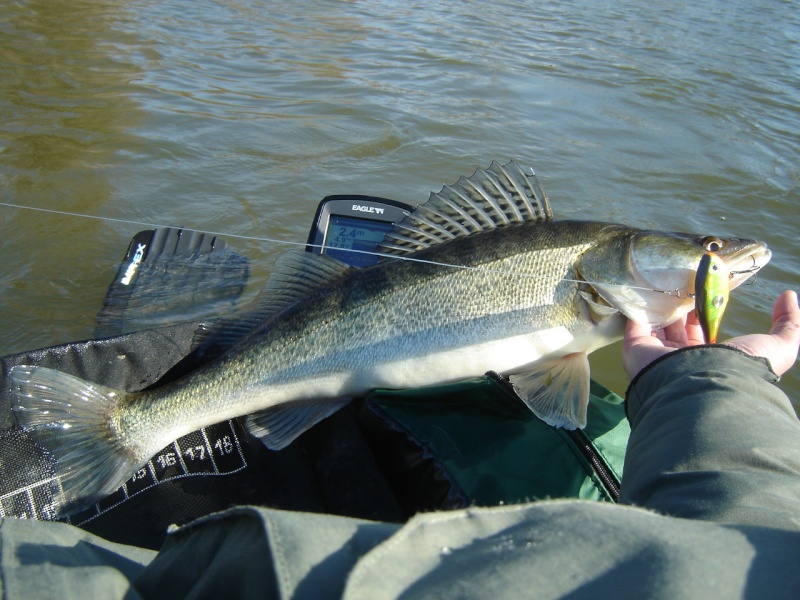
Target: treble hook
(754, 269)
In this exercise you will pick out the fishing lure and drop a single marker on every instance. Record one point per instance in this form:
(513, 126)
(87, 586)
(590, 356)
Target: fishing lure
(712, 287)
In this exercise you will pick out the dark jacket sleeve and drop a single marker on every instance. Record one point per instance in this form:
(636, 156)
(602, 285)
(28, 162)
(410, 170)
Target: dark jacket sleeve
(713, 438)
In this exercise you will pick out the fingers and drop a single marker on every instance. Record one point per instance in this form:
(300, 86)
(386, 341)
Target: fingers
(780, 347)
(785, 331)
(676, 333)
(781, 344)
(639, 347)
(694, 333)
(634, 330)
(786, 318)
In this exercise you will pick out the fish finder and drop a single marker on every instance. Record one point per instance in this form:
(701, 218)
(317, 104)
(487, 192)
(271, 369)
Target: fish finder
(350, 227)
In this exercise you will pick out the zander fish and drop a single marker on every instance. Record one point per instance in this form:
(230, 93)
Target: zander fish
(478, 278)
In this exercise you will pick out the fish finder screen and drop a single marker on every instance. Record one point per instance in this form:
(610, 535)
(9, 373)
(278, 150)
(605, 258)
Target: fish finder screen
(347, 233)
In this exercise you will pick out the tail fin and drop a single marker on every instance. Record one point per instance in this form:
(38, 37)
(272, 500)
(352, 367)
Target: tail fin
(71, 419)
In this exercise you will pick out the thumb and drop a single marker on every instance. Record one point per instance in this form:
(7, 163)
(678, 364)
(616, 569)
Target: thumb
(781, 345)
(786, 318)
(786, 329)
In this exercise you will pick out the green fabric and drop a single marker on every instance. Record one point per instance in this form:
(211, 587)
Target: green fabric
(497, 451)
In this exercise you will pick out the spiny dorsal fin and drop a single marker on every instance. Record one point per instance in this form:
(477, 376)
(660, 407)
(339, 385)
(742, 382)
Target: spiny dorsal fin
(295, 275)
(488, 199)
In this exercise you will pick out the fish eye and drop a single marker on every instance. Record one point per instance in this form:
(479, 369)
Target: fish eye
(712, 244)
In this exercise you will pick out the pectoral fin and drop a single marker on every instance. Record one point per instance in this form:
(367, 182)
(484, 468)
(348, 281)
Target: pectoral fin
(557, 391)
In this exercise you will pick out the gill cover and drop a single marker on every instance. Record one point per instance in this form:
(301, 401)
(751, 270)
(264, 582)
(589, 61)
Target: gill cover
(631, 269)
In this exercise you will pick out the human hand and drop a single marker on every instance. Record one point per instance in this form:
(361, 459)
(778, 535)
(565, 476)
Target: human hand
(780, 346)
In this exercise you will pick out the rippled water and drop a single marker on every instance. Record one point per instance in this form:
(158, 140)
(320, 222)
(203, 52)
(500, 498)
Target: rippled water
(239, 116)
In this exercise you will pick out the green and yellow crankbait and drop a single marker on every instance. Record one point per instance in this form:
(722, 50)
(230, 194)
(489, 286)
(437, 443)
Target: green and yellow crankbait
(712, 287)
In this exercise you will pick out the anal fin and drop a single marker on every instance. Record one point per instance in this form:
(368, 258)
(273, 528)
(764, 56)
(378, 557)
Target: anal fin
(557, 390)
(279, 427)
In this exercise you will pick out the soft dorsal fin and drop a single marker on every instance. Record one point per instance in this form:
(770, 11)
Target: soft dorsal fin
(488, 199)
(295, 275)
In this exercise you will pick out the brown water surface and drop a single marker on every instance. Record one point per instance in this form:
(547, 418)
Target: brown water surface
(238, 116)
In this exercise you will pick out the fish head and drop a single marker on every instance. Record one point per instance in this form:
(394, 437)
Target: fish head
(649, 276)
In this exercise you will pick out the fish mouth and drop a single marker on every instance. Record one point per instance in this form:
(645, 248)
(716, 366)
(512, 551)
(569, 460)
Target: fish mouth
(747, 261)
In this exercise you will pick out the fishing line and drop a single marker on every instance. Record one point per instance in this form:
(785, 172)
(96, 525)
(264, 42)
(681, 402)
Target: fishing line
(146, 224)
(676, 293)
